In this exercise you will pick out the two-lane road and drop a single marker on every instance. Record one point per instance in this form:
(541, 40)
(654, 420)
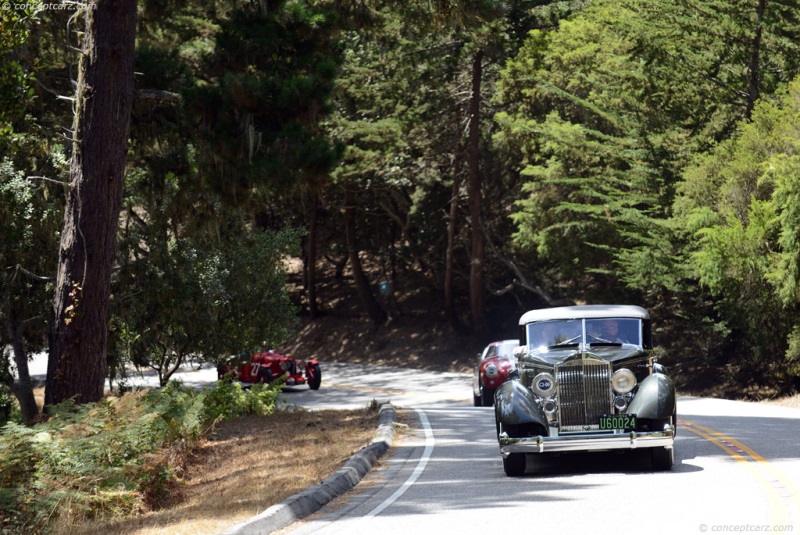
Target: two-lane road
(737, 470)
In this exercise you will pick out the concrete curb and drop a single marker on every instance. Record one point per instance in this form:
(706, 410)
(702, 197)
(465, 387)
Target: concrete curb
(313, 499)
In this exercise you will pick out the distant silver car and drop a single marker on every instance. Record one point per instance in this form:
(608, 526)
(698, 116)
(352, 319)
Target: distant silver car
(586, 380)
(494, 364)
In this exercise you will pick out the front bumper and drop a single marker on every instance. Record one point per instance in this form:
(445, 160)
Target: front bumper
(588, 442)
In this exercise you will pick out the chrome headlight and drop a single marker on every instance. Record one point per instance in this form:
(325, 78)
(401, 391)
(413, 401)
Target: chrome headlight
(623, 381)
(543, 385)
(490, 370)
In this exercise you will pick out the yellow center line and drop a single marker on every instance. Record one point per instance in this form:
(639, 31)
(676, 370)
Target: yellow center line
(772, 481)
(754, 455)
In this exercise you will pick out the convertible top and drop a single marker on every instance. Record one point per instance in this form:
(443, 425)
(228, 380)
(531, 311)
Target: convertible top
(584, 311)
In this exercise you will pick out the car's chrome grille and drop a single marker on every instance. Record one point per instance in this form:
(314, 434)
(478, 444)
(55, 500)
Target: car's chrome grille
(584, 393)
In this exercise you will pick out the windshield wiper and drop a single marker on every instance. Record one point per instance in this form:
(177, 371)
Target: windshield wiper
(603, 342)
(566, 343)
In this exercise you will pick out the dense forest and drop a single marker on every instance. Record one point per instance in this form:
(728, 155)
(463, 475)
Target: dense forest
(158, 164)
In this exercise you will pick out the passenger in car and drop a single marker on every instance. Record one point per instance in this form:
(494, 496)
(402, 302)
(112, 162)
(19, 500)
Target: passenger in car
(549, 334)
(554, 333)
(609, 331)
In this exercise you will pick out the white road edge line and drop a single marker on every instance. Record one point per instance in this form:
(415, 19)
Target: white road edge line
(426, 454)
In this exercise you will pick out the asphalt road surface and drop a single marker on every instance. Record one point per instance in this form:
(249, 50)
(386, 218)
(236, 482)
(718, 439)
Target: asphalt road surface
(737, 468)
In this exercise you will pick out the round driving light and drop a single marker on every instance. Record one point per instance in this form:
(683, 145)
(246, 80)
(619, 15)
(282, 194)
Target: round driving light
(623, 381)
(549, 407)
(490, 370)
(620, 403)
(543, 384)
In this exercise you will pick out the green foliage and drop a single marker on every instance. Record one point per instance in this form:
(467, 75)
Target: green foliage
(16, 210)
(29, 215)
(6, 404)
(181, 298)
(32, 163)
(580, 127)
(93, 460)
(272, 72)
(783, 170)
(605, 112)
(112, 458)
(198, 279)
(599, 112)
(740, 202)
(401, 112)
(16, 92)
(793, 353)
(228, 399)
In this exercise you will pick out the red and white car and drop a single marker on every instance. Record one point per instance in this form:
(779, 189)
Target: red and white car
(266, 366)
(494, 365)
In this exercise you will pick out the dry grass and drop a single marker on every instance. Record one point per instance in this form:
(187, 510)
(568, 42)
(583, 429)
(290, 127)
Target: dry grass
(249, 464)
(791, 401)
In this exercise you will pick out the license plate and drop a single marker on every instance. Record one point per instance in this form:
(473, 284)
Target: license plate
(625, 422)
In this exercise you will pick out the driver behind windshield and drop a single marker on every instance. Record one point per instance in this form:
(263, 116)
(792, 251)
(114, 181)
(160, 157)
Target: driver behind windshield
(607, 330)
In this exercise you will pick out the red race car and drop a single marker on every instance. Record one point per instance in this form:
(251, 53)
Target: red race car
(266, 366)
(494, 365)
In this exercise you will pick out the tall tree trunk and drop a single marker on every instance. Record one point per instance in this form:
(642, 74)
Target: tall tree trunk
(311, 257)
(476, 284)
(449, 303)
(22, 387)
(79, 331)
(753, 91)
(368, 301)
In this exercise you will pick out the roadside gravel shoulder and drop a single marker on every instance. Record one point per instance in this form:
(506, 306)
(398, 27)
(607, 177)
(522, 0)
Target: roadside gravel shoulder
(313, 499)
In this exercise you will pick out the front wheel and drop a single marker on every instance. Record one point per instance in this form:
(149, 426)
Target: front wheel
(487, 396)
(662, 458)
(314, 377)
(675, 421)
(264, 376)
(514, 464)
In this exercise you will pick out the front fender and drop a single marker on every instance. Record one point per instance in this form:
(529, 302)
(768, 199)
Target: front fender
(514, 404)
(655, 398)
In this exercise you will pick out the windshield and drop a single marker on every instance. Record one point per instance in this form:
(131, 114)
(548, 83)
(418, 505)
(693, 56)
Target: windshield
(501, 349)
(557, 334)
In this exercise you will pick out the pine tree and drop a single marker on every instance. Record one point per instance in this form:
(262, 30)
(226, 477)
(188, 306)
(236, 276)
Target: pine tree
(78, 341)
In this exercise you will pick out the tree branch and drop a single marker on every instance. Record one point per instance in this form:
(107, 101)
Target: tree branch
(520, 279)
(45, 179)
(33, 275)
(158, 95)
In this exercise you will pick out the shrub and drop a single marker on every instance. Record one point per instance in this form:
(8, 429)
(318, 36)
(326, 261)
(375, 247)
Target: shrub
(6, 404)
(112, 458)
(228, 399)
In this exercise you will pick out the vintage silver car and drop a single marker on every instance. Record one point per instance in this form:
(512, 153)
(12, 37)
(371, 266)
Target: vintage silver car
(586, 380)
